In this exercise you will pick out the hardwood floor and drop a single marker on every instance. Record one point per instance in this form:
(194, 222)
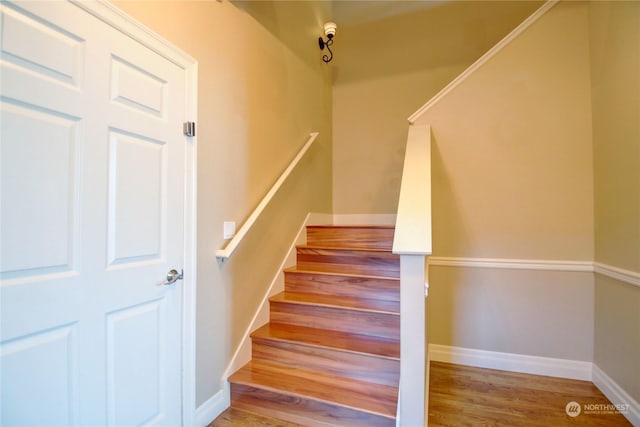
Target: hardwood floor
(466, 396)
(237, 417)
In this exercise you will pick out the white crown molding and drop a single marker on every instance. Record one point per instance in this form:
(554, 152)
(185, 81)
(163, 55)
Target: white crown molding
(536, 365)
(616, 395)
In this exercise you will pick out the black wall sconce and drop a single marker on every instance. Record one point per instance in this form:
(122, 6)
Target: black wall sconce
(329, 31)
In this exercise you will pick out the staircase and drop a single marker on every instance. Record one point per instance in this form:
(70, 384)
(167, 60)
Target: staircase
(330, 353)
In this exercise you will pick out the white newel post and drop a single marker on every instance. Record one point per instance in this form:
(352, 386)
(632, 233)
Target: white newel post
(412, 341)
(412, 241)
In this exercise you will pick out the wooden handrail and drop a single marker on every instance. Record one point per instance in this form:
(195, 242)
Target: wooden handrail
(225, 253)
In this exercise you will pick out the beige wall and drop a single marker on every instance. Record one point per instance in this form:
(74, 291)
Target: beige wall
(386, 69)
(261, 89)
(541, 313)
(512, 178)
(615, 50)
(513, 161)
(617, 333)
(615, 67)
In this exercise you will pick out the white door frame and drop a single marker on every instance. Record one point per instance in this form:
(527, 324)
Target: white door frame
(117, 19)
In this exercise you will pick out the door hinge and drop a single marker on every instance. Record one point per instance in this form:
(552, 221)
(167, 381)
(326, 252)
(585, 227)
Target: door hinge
(189, 128)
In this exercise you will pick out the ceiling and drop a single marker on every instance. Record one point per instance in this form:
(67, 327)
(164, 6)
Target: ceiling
(353, 12)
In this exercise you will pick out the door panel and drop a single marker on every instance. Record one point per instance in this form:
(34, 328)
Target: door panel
(137, 198)
(138, 89)
(39, 168)
(134, 390)
(35, 44)
(52, 354)
(92, 216)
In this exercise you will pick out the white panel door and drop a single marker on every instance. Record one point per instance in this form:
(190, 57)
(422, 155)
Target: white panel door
(92, 219)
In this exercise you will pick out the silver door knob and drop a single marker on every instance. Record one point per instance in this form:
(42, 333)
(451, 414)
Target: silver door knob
(173, 276)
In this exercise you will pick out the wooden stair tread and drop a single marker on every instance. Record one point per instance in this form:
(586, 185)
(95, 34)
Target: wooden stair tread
(343, 248)
(360, 395)
(370, 261)
(343, 341)
(337, 273)
(380, 237)
(359, 304)
(352, 226)
(330, 354)
(342, 284)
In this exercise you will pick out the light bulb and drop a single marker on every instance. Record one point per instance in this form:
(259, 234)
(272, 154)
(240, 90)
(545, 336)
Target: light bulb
(330, 29)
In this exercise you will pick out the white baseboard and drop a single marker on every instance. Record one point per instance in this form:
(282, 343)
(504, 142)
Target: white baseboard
(617, 395)
(537, 365)
(210, 409)
(364, 219)
(318, 219)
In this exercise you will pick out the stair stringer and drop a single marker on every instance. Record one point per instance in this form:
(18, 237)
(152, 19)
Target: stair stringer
(242, 354)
